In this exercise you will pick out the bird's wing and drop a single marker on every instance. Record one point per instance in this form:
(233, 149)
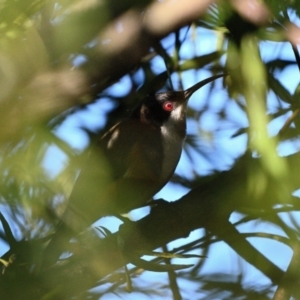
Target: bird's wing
(133, 153)
(125, 178)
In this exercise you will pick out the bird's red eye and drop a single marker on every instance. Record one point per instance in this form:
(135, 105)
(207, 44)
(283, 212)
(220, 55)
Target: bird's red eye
(168, 106)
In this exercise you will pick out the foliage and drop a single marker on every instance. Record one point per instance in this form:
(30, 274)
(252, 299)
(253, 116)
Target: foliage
(64, 60)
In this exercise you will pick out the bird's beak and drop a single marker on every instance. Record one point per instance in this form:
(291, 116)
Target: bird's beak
(189, 92)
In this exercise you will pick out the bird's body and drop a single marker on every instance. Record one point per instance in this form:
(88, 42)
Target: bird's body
(142, 153)
(138, 155)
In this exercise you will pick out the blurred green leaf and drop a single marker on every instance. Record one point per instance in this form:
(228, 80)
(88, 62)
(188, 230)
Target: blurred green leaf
(255, 84)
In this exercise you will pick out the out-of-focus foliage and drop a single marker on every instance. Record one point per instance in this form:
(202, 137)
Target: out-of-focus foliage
(65, 62)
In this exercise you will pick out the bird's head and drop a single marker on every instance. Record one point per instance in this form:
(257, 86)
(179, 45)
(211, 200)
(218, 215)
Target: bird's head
(168, 106)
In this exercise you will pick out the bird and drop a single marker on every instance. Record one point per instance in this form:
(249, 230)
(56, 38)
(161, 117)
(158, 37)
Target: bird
(138, 157)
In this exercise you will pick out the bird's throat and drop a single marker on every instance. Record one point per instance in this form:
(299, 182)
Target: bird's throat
(173, 135)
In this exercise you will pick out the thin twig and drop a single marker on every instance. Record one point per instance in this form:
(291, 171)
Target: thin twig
(289, 121)
(172, 279)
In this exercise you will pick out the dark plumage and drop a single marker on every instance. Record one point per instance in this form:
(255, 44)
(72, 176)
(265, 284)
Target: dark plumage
(141, 153)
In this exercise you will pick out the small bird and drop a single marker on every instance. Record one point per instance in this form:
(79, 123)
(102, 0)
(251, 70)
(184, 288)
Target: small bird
(139, 156)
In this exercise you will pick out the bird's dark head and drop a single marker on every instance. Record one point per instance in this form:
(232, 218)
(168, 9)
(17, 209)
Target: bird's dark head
(168, 106)
(161, 107)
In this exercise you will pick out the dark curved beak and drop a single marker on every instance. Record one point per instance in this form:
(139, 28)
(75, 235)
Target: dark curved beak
(189, 92)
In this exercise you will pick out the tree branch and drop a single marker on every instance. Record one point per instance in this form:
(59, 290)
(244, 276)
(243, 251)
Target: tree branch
(207, 206)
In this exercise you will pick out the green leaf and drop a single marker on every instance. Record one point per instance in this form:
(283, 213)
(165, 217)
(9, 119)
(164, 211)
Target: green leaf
(255, 90)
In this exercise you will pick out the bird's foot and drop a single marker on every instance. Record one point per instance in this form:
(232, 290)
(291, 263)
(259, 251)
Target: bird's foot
(158, 203)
